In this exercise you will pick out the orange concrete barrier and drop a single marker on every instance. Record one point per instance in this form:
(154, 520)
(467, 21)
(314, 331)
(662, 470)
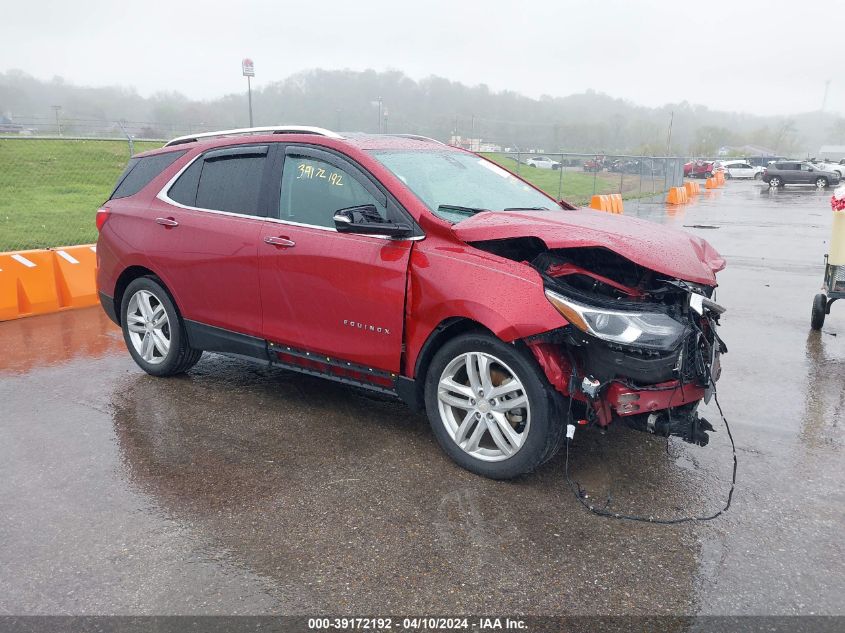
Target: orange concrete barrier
(42, 281)
(599, 203)
(677, 195)
(610, 203)
(76, 280)
(692, 188)
(710, 183)
(617, 205)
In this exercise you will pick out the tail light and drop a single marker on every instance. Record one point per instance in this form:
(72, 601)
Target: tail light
(103, 214)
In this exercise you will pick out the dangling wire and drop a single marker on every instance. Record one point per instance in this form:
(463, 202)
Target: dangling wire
(578, 491)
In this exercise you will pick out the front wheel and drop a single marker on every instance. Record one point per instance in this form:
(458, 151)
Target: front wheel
(153, 330)
(491, 407)
(821, 182)
(775, 182)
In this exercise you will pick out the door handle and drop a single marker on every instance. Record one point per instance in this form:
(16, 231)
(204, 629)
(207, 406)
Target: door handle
(167, 222)
(279, 241)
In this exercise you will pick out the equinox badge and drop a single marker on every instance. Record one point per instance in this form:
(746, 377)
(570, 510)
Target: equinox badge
(363, 326)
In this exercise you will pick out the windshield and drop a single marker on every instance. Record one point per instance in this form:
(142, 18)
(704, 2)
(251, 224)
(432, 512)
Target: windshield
(455, 185)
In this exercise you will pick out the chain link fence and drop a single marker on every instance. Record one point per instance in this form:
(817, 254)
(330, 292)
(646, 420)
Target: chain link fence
(50, 188)
(578, 177)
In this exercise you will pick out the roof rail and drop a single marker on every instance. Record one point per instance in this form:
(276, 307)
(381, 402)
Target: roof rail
(271, 129)
(418, 137)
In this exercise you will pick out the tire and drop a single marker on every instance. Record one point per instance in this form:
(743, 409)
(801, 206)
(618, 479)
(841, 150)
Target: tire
(728, 175)
(159, 351)
(758, 176)
(534, 431)
(821, 182)
(708, 174)
(775, 181)
(819, 311)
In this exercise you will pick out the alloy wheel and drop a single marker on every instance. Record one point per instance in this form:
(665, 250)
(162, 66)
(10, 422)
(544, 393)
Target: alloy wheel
(149, 327)
(821, 183)
(483, 406)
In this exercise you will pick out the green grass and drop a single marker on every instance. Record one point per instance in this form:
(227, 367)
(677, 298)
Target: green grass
(576, 186)
(50, 189)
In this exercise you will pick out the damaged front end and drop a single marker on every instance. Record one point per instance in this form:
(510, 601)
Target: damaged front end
(639, 347)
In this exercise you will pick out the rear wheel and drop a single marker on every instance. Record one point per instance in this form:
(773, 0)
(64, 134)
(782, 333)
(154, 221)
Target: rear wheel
(758, 176)
(821, 182)
(775, 181)
(491, 408)
(153, 330)
(819, 311)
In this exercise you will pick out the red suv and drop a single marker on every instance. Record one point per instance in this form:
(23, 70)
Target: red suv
(408, 267)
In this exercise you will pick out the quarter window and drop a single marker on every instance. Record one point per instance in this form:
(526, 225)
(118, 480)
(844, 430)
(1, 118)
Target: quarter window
(313, 190)
(184, 190)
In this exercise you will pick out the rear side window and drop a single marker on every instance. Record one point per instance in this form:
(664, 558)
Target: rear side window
(140, 171)
(223, 180)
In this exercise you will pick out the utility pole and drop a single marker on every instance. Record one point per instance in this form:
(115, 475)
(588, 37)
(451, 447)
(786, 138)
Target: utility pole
(669, 138)
(248, 70)
(57, 109)
(380, 119)
(824, 99)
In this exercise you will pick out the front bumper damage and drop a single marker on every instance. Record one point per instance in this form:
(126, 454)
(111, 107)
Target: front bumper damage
(654, 392)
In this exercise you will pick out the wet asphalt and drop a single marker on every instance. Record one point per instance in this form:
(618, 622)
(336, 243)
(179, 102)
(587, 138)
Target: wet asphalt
(239, 489)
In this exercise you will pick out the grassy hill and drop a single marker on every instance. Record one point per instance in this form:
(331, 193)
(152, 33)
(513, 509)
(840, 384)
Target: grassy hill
(50, 189)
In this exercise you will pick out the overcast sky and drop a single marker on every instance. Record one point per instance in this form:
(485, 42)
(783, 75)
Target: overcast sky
(760, 56)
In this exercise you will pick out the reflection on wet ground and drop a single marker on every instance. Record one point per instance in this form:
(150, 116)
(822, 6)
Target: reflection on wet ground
(243, 489)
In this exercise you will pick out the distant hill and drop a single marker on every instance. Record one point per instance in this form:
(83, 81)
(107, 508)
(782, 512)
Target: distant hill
(437, 107)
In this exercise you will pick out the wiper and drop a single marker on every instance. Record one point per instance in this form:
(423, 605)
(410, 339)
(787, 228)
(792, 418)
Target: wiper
(526, 209)
(460, 209)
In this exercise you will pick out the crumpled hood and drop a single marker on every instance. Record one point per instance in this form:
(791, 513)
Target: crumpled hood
(668, 251)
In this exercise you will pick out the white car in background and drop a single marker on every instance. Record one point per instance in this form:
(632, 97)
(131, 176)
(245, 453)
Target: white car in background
(543, 162)
(826, 166)
(740, 169)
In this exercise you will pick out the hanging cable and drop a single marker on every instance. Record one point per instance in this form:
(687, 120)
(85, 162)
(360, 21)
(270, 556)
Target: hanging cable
(579, 492)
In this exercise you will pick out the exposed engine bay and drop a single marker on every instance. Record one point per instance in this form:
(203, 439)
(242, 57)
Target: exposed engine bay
(639, 346)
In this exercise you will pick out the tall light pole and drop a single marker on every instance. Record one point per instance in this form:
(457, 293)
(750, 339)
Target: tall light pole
(248, 69)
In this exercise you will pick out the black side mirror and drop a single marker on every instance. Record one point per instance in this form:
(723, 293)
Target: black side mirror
(365, 220)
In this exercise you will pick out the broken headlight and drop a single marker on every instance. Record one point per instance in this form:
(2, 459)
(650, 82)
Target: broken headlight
(653, 330)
